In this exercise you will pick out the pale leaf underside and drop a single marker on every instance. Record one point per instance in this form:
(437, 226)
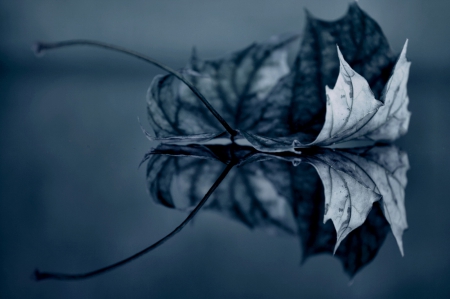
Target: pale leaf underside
(353, 112)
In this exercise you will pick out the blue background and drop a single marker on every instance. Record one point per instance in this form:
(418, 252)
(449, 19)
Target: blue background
(72, 199)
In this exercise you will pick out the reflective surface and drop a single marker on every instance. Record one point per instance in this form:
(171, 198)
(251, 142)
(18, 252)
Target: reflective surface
(72, 200)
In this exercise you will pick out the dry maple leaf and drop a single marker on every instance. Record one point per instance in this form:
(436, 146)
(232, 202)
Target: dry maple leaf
(277, 108)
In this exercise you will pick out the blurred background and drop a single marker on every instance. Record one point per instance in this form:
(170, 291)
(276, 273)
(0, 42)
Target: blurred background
(72, 198)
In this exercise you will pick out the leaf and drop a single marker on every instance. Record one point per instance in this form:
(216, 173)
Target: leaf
(290, 198)
(280, 109)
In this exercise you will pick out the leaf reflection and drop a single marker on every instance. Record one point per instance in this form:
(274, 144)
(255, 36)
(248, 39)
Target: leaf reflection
(361, 190)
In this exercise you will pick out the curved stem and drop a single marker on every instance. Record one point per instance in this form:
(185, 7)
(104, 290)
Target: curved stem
(61, 276)
(39, 47)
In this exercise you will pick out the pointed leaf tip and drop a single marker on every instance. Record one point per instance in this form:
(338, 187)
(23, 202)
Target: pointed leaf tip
(307, 13)
(353, 7)
(400, 246)
(404, 49)
(341, 57)
(194, 54)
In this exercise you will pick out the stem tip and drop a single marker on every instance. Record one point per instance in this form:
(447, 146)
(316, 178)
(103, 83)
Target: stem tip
(38, 49)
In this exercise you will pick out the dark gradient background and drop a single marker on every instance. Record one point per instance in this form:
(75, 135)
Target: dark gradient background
(72, 199)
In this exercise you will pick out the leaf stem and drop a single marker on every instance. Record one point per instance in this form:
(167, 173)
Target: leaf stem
(37, 275)
(40, 47)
